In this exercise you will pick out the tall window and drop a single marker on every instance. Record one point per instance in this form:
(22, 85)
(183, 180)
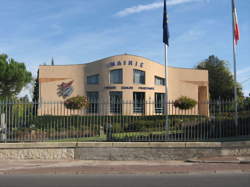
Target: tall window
(116, 102)
(159, 103)
(93, 79)
(159, 81)
(139, 102)
(93, 98)
(116, 76)
(139, 76)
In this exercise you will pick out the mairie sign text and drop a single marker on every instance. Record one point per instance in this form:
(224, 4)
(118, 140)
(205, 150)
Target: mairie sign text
(126, 63)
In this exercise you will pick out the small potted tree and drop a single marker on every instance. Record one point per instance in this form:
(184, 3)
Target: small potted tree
(185, 103)
(76, 103)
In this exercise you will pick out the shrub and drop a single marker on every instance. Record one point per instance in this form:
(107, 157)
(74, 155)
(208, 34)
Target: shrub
(146, 125)
(76, 103)
(185, 103)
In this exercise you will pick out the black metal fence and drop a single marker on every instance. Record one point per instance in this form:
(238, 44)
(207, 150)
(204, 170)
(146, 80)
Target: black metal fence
(24, 121)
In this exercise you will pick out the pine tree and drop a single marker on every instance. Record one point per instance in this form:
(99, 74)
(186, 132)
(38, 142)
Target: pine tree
(52, 62)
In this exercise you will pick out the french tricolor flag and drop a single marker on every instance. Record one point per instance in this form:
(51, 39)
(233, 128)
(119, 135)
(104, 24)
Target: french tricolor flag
(235, 24)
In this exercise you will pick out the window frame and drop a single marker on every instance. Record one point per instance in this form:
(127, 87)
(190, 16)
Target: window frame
(90, 76)
(121, 76)
(163, 79)
(138, 70)
(91, 103)
(139, 105)
(116, 107)
(161, 109)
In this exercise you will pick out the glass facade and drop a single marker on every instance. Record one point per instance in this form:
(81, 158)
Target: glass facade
(139, 76)
(93, 79)
(159, 103)
(116, 102)
(139, 102)
(159, 81)
(93, 98)
(116, 76)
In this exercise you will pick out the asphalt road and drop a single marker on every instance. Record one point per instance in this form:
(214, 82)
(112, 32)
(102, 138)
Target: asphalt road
(218, 180)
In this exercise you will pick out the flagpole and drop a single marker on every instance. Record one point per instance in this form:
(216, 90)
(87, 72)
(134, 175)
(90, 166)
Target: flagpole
(235, 86)
(235, 67)
(166, 85)
(166, 44)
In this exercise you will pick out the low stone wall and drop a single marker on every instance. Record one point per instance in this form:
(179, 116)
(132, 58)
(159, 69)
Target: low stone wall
(122, 151)
(37, 151)
(37, 154)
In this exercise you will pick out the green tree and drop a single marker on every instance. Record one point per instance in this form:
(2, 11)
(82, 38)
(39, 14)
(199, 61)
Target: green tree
(35, 98)
(13, 76)
(246, 103)
(36, 89)
(221, 81)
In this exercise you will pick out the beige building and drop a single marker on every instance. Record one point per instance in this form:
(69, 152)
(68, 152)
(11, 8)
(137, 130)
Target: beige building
(128, 78)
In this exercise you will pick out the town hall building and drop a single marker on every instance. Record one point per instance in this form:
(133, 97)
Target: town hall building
(119, 80)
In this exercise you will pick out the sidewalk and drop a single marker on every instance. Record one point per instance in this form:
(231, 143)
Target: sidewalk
(201, 166)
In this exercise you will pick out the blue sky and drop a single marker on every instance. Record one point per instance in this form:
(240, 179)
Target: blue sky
(81, 31)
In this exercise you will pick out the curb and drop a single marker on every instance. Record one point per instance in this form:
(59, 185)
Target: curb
(54, 173)
(245, 162)
(212, 162)
(219, 162)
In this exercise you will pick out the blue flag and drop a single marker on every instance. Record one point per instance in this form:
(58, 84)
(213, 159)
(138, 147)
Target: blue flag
(165, 25)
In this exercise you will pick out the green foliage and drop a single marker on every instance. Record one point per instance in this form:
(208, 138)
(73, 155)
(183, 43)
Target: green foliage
(146, 125)
(128, 128)
(185, 103)
(126, 124)
(13, 76)
(76, 103)
(221, 81)
(246, 103)
(193, 128)
(213, 129)
(35, 98)
(119, 127)
(36, 89)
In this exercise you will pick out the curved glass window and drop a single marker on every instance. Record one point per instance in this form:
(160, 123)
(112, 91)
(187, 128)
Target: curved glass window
(159, 81)
(139, 76)
(116, 76)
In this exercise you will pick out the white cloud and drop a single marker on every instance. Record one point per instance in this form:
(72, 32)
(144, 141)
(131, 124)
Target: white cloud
(191, 35)
(151, 6)
(139, 8)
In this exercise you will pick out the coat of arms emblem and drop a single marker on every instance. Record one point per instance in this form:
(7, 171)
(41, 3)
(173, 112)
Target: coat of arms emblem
(65, 90)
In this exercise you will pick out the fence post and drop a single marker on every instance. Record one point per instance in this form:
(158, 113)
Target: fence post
(109, 132)
(3, 128)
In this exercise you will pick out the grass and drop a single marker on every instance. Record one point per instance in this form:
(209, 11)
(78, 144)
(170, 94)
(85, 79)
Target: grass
(134, 134)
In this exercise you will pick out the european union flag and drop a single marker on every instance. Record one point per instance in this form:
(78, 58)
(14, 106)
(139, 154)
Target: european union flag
(165, 25)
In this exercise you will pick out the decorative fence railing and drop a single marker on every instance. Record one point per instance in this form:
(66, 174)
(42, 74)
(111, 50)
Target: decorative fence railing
(24, 121)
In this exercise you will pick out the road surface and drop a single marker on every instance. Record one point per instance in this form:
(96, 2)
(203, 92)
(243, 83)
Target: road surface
(204, 180)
